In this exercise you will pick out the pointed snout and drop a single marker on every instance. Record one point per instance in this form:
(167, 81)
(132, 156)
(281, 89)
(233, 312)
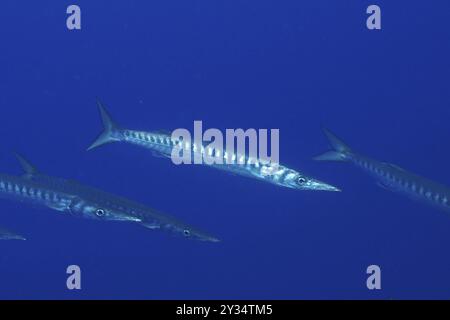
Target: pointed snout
(15, 237)
(212, 239)
(322, 186)
(205, 237)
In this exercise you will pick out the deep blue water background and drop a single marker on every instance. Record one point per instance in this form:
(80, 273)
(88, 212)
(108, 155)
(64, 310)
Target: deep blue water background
(293, 65)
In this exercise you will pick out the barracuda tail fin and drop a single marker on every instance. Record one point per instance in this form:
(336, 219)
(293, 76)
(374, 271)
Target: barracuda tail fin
(110, 129)
(340, 152)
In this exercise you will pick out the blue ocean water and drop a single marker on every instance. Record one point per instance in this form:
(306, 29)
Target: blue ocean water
(292, 65)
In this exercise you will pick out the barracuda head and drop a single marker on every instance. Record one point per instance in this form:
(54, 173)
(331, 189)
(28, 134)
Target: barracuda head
(286, 177)
(182, 230)
(191, 233)
(302, 182)
(92, 210)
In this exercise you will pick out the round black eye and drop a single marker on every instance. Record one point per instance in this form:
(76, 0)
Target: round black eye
(187, 233)
(301, 180)
(100, 212)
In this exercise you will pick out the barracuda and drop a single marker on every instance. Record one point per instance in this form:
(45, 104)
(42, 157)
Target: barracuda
(390, 176)
(73, 198)
(9, 235)
(161, 144)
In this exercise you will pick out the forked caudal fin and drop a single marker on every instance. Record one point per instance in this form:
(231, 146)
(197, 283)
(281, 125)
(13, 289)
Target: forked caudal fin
(109, 127)
(340, 151)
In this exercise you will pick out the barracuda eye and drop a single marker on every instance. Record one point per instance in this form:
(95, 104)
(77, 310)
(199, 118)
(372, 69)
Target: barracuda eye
(301, 180)
(186, 232)
(100, 213)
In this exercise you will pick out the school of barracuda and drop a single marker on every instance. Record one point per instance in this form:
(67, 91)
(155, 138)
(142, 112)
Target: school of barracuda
(72, 198)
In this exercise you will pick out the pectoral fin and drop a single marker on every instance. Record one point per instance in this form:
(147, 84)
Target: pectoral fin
(61, 206)
(387, 186)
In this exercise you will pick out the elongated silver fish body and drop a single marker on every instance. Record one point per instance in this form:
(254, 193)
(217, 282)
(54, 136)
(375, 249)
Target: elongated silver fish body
(390, 176)
(87, 202)
(162, 144)
(399, 180)
(155, 141)
(29, 191)
(105, 201)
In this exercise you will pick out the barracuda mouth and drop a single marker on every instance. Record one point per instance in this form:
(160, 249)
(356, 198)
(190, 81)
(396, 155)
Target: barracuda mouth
(211, 239)
(127, 218)
(321, 186)
(206, 239)
(199, 235)
(302, 182)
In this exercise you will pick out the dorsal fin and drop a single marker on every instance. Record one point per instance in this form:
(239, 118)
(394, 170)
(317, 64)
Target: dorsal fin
(29, 169)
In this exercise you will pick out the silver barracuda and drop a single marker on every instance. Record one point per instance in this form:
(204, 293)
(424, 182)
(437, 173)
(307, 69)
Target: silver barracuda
(73, 198)
(9, 235)
(162, 144)
(390, 176)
